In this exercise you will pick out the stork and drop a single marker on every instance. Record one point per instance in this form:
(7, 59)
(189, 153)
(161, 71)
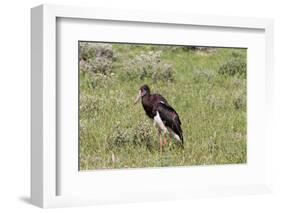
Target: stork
(165, 118)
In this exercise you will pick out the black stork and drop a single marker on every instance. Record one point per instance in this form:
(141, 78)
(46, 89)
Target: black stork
(166, 119)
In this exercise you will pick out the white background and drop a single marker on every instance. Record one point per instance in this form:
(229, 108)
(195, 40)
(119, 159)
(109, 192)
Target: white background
(100, 185)
(15, 104)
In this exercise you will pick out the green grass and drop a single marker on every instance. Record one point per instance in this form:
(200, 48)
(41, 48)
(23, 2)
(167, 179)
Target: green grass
(211, 106)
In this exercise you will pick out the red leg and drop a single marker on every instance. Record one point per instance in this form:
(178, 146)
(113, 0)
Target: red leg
(165, 141)
(160, 143)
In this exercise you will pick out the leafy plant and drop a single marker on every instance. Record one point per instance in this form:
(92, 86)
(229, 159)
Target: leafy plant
(96, 58)
(139, 135)
(149, 66)
(90, 50)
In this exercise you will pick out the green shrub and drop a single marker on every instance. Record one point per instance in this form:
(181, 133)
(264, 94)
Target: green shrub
(96, 58)
(98, 65)
(149, 66)
(90, 50)
(119, 137)
(143, 133)
(139, 135)
(86, 51)
(234, 66)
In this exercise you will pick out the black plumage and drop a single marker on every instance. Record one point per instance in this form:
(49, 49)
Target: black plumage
(170, 118)
(156, 103)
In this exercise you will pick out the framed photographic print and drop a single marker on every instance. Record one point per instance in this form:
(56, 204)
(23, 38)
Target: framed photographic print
(130, 106)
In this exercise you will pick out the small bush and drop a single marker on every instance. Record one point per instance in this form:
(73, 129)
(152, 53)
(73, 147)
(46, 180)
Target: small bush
(138, 135)
(119, 137)
(149, 66)
(234, 66)
(96, 58)
(93, 50)
(87, 51)
(143, 133)
(98, 65)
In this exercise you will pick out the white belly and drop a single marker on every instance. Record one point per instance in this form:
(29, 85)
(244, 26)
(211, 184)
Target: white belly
(159, 123)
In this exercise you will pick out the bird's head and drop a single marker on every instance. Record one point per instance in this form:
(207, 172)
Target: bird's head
(143, 91)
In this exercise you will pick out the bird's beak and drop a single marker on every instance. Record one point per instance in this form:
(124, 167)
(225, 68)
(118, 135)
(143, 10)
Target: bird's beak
(138, 98)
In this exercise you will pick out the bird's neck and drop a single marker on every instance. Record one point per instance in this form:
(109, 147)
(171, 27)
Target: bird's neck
(146, 101)
(145, 98)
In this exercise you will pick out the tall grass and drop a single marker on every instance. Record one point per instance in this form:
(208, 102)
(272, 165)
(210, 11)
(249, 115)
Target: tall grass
(210, 101)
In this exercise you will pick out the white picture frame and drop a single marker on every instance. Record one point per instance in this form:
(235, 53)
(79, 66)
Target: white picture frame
(45, 168)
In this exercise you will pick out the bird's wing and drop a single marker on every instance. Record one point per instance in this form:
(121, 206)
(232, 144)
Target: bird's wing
(170, 118)
(170, 108)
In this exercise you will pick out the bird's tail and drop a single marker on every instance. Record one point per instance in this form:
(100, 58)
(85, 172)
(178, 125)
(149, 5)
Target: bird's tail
(182, 141)
(179, 131)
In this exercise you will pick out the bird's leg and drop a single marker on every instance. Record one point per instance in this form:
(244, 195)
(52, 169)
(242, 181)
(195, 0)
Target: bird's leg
(165, 140)
(160, 143)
